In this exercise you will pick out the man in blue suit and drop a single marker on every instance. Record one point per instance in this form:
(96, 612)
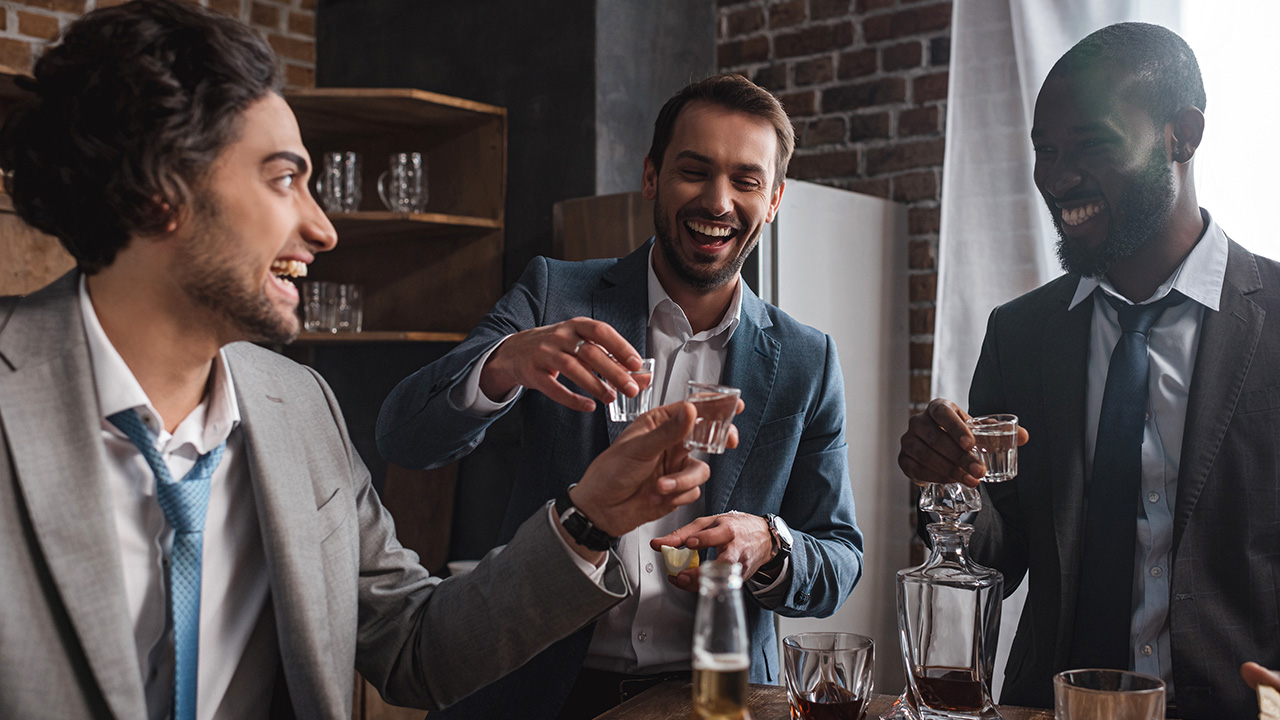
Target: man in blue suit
(780, 504)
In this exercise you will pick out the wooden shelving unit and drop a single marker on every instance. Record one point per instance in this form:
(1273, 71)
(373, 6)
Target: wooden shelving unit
(435, 272)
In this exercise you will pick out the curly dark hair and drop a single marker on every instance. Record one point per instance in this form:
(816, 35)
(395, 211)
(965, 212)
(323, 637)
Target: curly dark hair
(1166, 74)
(733, 92)
(130, 110)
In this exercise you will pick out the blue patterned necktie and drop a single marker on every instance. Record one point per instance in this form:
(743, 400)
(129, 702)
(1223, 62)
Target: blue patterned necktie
(184, 504)
(1104, 607)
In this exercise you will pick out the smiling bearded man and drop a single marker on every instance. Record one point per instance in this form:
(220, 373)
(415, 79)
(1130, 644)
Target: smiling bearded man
(715, 172)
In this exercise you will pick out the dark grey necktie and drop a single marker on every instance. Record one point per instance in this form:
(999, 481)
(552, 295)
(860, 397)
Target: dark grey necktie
(1104, 607)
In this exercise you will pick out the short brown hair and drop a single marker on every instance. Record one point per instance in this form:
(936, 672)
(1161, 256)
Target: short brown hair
(129, 112)
(733, 92)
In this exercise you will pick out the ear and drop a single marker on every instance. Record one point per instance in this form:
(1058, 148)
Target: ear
(649, 180)
(775, 201)
(1185, 133)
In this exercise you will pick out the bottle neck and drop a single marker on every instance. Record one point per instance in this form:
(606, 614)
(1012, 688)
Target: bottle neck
(950, 542)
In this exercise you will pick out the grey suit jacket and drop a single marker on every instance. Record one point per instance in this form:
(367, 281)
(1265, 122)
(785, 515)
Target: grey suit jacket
(791, 459)
(345, 593)
(1226, 543)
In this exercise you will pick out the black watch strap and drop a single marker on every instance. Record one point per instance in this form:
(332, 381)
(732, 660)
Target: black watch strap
(579, 526)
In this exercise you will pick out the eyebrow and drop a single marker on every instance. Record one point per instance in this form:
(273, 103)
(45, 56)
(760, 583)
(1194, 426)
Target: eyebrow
(743, 167)
(292, 157)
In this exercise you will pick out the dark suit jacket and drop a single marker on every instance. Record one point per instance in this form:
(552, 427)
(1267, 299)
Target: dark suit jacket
(345, 594)
(1226, 537)
(791, 459)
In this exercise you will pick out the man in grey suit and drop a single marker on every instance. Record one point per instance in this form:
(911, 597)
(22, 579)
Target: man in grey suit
(1178, 490)
(781, 504)
(158, 150)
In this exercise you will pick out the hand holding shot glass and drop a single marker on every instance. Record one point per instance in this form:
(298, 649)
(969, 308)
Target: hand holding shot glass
(995, 439)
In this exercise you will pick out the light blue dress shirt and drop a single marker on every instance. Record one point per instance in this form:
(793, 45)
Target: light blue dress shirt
(1174, 340)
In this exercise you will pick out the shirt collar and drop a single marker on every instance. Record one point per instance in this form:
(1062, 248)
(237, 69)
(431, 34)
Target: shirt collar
(660, 301)
(1200, 276)
(119, 390)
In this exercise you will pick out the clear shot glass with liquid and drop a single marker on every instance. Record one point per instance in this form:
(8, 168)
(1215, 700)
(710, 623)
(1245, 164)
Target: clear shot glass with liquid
(995, 438)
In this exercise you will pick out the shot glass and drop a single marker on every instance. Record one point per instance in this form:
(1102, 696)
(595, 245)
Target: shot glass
(626, 409)
(349, 308)
(716, 406)
(1107, 695)
(319, 306)
(995, 437)
(828, 674)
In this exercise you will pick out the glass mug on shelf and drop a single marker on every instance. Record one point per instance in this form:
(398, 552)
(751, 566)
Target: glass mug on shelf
(403, 186)
(338, 183)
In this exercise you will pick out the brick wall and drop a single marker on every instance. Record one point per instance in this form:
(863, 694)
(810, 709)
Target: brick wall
(289, 25)
(865, 83)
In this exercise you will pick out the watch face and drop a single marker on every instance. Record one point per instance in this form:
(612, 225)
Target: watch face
(784, 533)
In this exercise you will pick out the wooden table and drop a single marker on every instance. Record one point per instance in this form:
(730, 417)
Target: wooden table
(674, 699)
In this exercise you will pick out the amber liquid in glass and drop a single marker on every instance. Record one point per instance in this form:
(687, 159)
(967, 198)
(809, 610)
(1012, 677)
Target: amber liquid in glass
(829, 702)
(949, 688)
(720, 693)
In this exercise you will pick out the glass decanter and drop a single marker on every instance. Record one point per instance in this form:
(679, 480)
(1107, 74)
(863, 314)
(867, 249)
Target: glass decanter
(948, 618)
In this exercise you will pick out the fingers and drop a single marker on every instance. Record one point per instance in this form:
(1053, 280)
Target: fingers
(659, 429)
(610, 342)
(677, 537)
(1255, 675)
(937, 446)
(692, 475)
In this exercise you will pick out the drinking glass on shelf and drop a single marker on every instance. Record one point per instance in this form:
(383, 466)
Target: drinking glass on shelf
(338, 183)
(626, 409)
(349, 308)
(318, 306)
(716, 406)
(1107, 695)
(995, 437)
(403, 186)
(828, 675)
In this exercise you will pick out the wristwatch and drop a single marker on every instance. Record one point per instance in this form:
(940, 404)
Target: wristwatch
(781, 550)
(579, 526)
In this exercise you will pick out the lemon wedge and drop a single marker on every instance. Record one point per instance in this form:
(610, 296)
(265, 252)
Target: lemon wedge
(677, 559)
(1268, 703)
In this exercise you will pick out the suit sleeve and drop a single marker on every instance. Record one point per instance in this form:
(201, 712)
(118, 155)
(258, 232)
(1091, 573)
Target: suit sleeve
(418, 427)
(427, 643)
(998, 540)
(826, 552)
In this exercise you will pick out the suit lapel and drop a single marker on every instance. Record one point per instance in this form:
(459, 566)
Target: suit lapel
(286, 505)
(60, 463)
(1065, 340)
(615, 303)
(1228, 339)
(752, 366)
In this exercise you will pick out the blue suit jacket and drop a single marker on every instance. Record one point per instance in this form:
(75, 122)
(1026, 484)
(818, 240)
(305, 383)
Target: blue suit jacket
(791, 459)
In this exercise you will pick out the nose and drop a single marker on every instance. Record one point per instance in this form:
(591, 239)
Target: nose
(316, 229)
(1060, 177)
(717, 196)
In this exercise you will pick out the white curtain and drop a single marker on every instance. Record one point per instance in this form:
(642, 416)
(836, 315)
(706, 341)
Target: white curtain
(996, 239)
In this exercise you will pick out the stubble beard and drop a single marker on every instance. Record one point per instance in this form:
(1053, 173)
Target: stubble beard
(693, 277)
(225, 289)
(1147, 204)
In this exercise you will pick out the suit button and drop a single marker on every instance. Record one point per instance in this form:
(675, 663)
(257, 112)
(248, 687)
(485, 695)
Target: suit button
(802, 597)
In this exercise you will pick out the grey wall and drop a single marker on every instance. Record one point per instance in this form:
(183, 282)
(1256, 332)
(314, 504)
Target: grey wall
(646, 50)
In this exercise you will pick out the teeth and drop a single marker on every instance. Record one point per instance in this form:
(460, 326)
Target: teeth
(712, 230)
(1077, 215)
(289, 268)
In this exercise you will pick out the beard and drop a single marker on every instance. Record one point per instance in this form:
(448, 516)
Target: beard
(1146, 205)
(704, 276)
(215, 282)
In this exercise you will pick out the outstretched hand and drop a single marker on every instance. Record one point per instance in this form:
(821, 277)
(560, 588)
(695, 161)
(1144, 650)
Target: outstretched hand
(645, 474)
(737, 537)
(589, 352)
(938, 446)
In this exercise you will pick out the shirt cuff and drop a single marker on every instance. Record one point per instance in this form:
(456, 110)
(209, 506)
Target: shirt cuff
(780, 583)
(594, 573)
(467, 396)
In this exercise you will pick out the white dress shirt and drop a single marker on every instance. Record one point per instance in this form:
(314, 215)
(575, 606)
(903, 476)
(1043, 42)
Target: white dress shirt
(1173, 342)
(651, 630)
(238, 648)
